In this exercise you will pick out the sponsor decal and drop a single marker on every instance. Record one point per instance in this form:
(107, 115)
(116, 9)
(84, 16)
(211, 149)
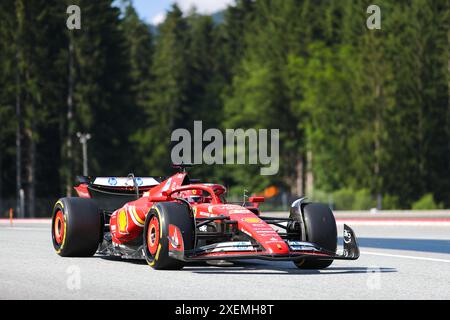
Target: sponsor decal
(234, 246)
(175, 240)
(259, 230)
(251, 220)
(301, 246)
(125, 181)
(261, 226)
(228, 207)
(267, 234)
(269, 242)
(234, 211)
(122, 221)
(347, 236)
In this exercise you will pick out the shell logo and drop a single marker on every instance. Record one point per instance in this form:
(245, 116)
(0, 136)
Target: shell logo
(251, 220)
(122, 221)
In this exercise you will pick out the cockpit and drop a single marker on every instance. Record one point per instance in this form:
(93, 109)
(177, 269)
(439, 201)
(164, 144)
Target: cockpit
(198, 196)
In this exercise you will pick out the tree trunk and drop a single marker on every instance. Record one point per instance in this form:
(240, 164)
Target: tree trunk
(377, 143)
(309, 174)
(19, 212)
(69, 126)
(300, 176)
(31, 166)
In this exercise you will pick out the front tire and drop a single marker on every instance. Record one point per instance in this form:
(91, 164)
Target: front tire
(76, 227)
(156, 234)
(320, 228)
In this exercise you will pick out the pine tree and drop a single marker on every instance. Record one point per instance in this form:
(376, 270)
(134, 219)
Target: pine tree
(7, 98)
(260, 97)
(140, 45)
(168, 104)
(101, 94)
(35, 57)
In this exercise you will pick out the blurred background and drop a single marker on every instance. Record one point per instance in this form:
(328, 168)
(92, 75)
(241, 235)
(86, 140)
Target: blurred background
(364, 115)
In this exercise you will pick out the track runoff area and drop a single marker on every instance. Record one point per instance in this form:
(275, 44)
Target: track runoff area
(404, 255)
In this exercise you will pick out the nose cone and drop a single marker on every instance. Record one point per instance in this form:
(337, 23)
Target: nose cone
(276, 247)
(264, 234)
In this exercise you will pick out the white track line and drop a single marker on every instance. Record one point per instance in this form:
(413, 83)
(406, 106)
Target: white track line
(25, 229)
(25, 221)
(403, 256)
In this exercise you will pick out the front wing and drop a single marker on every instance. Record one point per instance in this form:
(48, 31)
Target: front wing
(246, 250)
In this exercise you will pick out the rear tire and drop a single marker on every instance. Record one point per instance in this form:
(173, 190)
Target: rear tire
(76, 227)
(156, 233)
(320, 228)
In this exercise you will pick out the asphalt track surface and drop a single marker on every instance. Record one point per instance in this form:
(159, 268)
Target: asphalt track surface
(398, 261)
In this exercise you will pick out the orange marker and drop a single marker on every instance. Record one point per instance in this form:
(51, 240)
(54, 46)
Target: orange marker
(11, 216)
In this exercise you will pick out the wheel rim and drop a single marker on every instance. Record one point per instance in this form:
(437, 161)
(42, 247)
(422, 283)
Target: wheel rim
(153, 235)
(59, 227)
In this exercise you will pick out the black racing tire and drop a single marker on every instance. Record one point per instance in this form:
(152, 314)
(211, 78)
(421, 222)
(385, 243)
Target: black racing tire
(320, 228)
(156, 233)
(76, 227)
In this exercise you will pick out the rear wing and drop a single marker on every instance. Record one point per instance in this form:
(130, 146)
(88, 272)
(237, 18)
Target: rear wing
(113, 192)
(125, 182)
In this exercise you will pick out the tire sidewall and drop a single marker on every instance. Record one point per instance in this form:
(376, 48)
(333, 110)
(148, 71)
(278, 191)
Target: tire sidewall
(59, 207)
(83, 227)
(181, 219)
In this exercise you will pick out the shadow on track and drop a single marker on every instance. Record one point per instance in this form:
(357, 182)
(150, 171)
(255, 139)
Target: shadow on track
(253, 268)
(138, 261)
(119, 259)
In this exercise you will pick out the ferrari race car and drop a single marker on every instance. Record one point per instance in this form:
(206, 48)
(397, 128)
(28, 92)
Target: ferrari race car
(171, 222)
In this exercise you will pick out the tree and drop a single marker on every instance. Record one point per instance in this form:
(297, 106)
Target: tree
(7, 96)
(140, 46)
(168, 106)
(101, 95)
(35, 24)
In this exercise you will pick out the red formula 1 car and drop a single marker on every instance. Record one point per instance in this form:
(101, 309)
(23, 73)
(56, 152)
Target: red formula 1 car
(171, 222)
